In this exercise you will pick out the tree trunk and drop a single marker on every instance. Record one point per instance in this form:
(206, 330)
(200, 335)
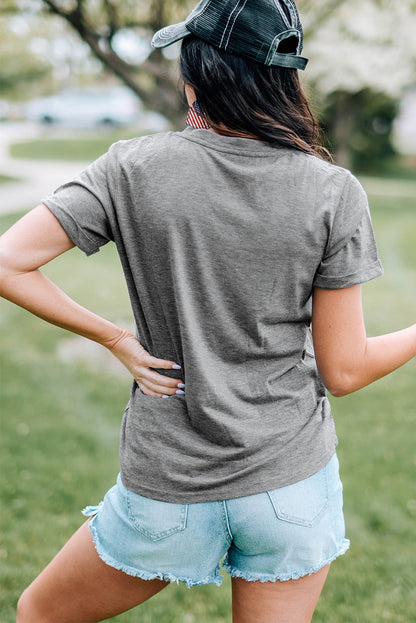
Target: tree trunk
(343, 128)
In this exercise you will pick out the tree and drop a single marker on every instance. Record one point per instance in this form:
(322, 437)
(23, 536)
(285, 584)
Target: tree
(39, 55)
(360, 50)
(20, 69)
(362, 59)
(100, 24)
(359, 127)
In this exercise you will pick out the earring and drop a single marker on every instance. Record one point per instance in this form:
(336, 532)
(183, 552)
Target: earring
(196, 118)
(197, 108)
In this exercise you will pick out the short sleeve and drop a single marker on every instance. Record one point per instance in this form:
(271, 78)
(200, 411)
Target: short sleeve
(84, 206)
(351, 254)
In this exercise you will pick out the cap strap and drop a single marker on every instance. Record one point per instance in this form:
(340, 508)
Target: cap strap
(288, 60)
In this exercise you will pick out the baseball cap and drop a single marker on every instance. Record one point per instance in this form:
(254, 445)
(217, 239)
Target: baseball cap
(265, 31)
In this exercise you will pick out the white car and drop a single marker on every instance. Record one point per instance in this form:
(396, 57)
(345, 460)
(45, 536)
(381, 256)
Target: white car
(87, 108)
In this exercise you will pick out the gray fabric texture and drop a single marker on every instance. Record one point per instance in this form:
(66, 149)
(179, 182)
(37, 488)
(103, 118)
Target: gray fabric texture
(222, 240)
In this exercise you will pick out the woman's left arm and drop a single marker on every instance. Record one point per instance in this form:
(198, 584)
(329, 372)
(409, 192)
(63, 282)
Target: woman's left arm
(347, 359)
(32, 242)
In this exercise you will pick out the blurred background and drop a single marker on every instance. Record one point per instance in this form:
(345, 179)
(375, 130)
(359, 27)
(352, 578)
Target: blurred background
(77, 75)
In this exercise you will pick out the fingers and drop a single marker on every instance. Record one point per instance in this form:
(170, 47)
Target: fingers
(155, 384)
(161, 389)
(142, 365)
(159, 382)
(159, 392)
(163, 364)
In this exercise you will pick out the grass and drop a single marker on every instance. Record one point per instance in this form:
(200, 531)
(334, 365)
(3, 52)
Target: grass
(402, 167)
(84, 148)
(6, 179)
(59, 445)
(390, 188)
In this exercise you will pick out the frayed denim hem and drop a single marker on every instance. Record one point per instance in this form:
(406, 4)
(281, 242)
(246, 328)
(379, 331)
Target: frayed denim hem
(261, 577)
(91, 511)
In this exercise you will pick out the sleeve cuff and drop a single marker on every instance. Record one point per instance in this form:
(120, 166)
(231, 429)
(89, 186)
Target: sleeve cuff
(71, 227)
(367, 273)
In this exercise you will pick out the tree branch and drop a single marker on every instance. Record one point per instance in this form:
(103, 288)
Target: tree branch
(113, 21)
(162, 97)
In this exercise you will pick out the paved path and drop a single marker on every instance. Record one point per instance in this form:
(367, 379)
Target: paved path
(38, 177)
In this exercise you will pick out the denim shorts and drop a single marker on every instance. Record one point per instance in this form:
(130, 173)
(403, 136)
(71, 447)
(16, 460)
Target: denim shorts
(281, 534)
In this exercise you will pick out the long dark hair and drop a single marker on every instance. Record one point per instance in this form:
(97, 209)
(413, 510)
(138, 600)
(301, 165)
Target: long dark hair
(240, 96)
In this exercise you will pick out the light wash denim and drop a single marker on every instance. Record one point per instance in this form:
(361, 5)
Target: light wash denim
(281, 534)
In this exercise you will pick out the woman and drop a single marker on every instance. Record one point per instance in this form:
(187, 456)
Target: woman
(234, 238)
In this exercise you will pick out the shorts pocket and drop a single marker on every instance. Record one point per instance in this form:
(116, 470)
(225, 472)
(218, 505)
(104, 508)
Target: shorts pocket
(155, 520)
(303, 502)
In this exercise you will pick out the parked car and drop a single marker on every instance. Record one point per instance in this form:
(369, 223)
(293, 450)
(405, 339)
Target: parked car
(87, 108)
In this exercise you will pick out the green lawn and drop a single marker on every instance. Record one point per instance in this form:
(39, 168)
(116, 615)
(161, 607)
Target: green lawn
(5, 179)
(85, 147)
(59, 445)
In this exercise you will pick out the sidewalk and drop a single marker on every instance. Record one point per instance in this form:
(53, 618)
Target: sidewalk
(38, 177)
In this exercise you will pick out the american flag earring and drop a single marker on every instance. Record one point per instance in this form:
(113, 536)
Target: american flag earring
(196, 118)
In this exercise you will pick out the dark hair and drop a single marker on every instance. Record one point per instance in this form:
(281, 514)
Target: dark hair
(240, 96)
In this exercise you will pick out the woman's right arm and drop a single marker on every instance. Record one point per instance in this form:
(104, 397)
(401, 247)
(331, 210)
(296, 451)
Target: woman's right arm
(347, 359)
(35, 240)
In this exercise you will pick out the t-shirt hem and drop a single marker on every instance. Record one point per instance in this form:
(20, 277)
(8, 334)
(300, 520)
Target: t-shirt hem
(372, 271)
(244, 488)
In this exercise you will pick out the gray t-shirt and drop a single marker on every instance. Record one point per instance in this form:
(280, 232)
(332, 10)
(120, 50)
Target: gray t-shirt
(222, 240)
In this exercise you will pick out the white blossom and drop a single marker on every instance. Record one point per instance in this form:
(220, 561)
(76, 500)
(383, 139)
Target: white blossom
(365, 45)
